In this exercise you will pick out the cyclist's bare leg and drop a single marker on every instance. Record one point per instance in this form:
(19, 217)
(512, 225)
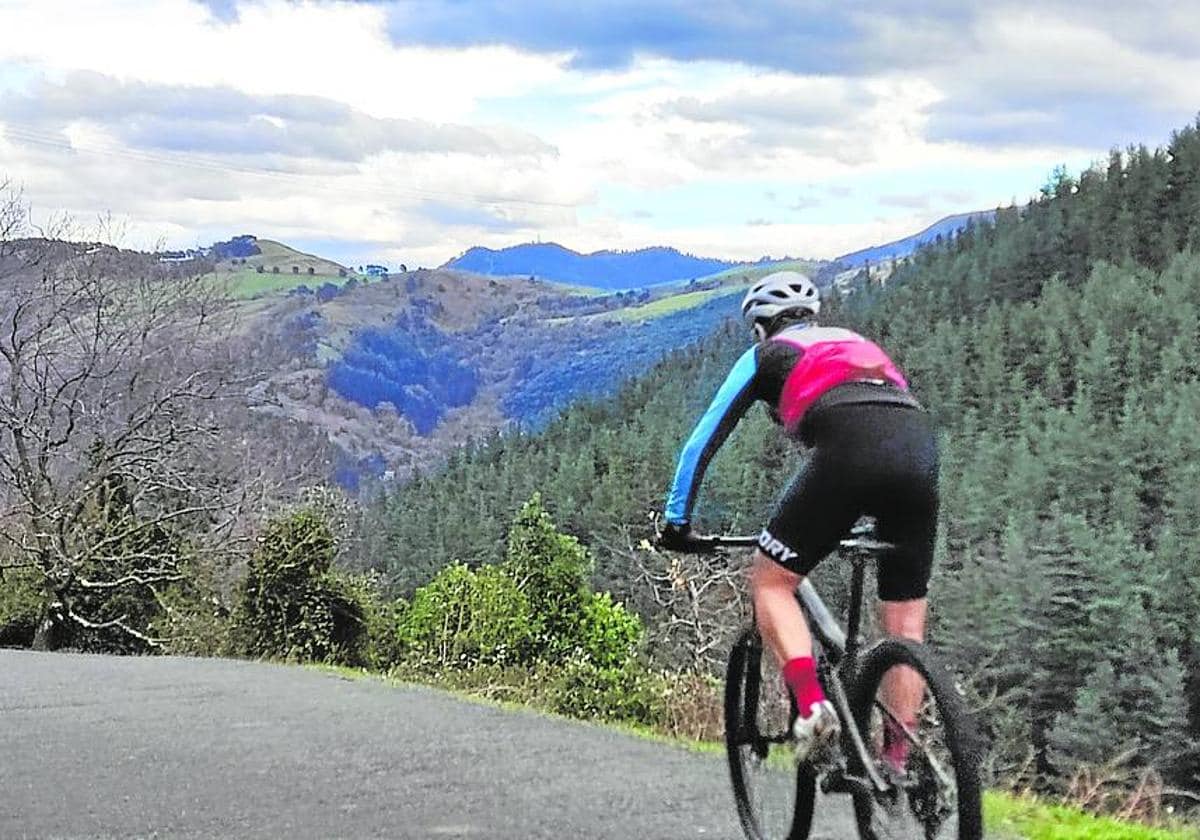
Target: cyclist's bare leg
(780, 620)
(782, 626)
(903, 689)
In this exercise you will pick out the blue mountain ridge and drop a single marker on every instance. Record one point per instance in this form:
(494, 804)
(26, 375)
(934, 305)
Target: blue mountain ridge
(624, 270)
(609, 270)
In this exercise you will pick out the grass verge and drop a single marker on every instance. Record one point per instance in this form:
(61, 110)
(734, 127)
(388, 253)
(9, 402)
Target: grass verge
(638, 730)
(1017, 817)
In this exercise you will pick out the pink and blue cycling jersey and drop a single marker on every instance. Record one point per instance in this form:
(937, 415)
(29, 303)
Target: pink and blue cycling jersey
(790, 371)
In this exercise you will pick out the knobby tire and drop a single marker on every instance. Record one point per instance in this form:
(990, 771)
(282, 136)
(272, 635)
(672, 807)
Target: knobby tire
(961, 734)
(743, 690)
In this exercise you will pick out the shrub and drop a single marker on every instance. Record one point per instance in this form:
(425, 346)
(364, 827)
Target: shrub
(355, 605)
(292, 604)
(21, 602)
(550, 569)
(629, 693)
(692, 706)
(195, 618)
(608, 633)
(464, 618)
(133, 549)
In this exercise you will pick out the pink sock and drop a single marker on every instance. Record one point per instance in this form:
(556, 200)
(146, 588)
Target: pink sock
(800, 675)
(895, 745)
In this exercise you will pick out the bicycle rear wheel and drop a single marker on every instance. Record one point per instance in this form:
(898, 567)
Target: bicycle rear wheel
(937, 792)
(774, 796)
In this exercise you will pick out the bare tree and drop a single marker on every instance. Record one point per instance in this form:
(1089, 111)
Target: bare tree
(697, 602)
(112, 471)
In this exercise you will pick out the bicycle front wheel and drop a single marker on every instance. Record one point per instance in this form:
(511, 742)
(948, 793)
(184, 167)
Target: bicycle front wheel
(774, 796)
(935, 787)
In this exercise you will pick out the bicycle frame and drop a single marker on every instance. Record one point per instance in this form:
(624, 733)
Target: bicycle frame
(841, 647)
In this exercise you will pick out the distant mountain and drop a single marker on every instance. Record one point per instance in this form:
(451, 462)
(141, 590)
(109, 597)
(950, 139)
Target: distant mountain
(947, 227)
(609, 270)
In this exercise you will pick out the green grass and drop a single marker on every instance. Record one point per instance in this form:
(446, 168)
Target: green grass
(248, 283)
(1012, 817)
(666, 305)
(272, 253)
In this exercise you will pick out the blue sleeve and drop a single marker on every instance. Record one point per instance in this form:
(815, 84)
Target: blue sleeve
(733, 398)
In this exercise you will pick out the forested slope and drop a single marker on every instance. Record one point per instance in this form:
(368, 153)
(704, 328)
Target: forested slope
(1057, 349)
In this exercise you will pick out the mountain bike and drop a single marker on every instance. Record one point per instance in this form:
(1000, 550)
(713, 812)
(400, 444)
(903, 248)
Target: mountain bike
(938, 793)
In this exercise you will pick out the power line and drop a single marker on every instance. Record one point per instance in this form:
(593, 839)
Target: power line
(57, 142)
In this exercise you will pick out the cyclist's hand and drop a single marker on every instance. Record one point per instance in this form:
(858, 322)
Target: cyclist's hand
(680, 538)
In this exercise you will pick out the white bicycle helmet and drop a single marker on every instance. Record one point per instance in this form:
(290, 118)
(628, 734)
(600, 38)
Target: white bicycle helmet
(779, 292)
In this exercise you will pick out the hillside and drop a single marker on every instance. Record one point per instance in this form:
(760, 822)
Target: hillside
(610, 270)
(268, 267)
(399, 379)
(624, 270)
(1054, 347)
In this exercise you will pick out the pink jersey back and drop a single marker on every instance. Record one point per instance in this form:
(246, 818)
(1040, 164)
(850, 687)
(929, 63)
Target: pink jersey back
(830, 357)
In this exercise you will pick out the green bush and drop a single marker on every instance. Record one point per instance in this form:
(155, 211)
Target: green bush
(464, 618)
(630, 692)
(550, 569)
(608, 633)
(535, 605)
(195, 618)
(292, 604)
(21, 601)
(379, 647)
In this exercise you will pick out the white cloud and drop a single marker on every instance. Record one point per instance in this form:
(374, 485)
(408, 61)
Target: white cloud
(335, 50)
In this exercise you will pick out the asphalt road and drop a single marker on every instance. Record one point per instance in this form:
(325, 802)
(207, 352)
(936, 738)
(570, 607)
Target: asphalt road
(106, 747)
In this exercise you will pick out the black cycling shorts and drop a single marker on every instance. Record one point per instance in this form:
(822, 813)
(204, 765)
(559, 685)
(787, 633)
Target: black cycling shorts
(872, 460)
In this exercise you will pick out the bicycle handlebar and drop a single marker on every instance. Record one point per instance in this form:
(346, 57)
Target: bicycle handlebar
(863, 542)
(861, 539)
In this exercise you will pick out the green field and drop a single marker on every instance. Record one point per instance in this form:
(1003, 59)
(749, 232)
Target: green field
(272, 253)
(245, 284)
(666, 305)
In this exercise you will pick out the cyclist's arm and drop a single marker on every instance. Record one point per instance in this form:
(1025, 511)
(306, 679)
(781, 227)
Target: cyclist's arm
(734, 396)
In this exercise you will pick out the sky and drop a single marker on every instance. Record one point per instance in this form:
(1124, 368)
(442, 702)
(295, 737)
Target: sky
(410, 131)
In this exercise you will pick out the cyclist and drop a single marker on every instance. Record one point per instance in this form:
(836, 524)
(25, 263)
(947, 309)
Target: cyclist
(873, 452)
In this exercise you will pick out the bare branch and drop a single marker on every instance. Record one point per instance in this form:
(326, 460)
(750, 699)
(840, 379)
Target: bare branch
(118, 623)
